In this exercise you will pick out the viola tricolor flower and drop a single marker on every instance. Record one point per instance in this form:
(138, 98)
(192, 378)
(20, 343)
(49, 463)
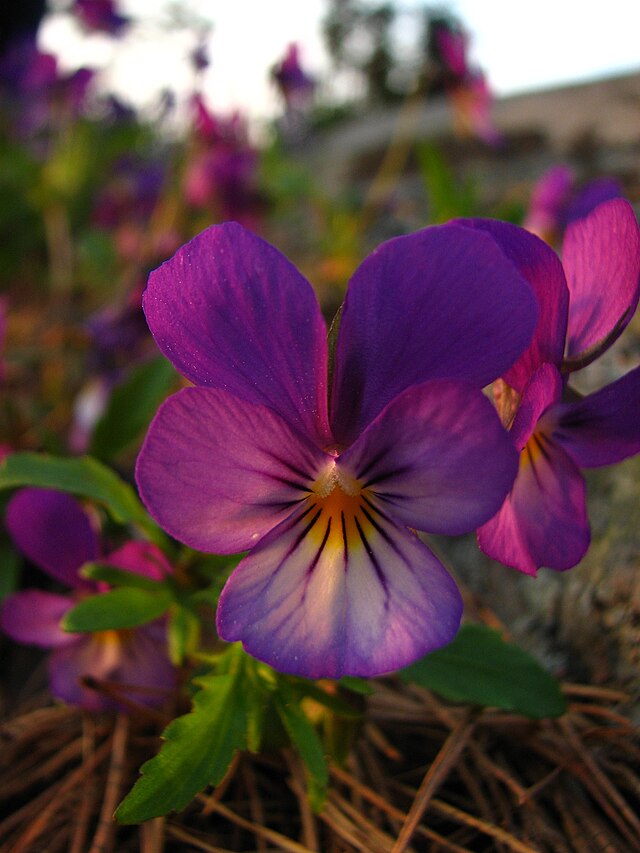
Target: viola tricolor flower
(555, 201)
(325, 491)
(583, 309)
(52, 530)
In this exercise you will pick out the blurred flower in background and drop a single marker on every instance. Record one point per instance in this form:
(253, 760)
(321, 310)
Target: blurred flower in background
(556, 201)
(54, 532)
(99, 16)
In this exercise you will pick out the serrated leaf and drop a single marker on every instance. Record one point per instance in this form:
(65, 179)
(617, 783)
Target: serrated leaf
(306, 740)
(480, 668)
(118, 577)
(131, 406)
(125, 607)
(197, 751)
(82, 476)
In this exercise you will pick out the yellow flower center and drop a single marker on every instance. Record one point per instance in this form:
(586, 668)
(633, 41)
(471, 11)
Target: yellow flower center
(341, 509)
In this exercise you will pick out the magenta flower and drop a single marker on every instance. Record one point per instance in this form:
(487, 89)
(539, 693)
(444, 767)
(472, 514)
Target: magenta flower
(53, 531)
(325, 493)
(221, 173)
(555, 201)
(584, 308)
(100, 16)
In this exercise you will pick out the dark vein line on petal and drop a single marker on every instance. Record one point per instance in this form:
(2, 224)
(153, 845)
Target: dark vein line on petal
(344, 539)
(314, 562)
(386, 475)
(293, 468)
(376, 509)
(372, 463)
(388, 539)
(291, 483)
(374, 561)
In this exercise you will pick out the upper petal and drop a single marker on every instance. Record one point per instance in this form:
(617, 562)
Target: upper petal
(601, 257)
(541, 267)
(229, 311)
(53, 531)
(442, 303)
(217, 472)
(604, 427)
(325, 597)
(33, 617)
(437, 458)
(141, 558)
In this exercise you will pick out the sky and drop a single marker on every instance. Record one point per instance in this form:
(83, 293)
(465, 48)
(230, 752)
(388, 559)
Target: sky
(520, 45)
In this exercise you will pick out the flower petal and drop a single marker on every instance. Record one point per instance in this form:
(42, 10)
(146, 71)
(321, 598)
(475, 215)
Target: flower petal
(142, 558)
(541, 267)
(33, 617)
(437, 458)
(327, 600)
(441, 303)
(543, 521)
(604, 427)
(217, 473)
(229, 311)
(543, 391)
(590, 196)
(133, 663)
(601, 257)
(53, 531)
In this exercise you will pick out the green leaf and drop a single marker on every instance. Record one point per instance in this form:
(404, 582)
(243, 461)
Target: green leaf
(357, 685)
(84, 477)
(306, 740)
(448, 198)
(9, 570)
(182, 633)
(118, 577)
(197, 751)
(131, 406)
(480, 668)
(125, 607)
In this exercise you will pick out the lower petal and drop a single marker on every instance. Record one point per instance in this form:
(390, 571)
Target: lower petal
(330, 597)
(543, 521)
(133, 664)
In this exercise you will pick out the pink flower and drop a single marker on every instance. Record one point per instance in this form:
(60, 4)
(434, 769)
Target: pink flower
(53, 531)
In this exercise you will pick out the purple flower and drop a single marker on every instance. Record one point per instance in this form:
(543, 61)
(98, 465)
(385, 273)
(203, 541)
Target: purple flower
(325, 493)
(555, 202)
(53, 531)
(222, 171)
(583, 309)
(100, 16)
(466, 86)
(295, 85)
